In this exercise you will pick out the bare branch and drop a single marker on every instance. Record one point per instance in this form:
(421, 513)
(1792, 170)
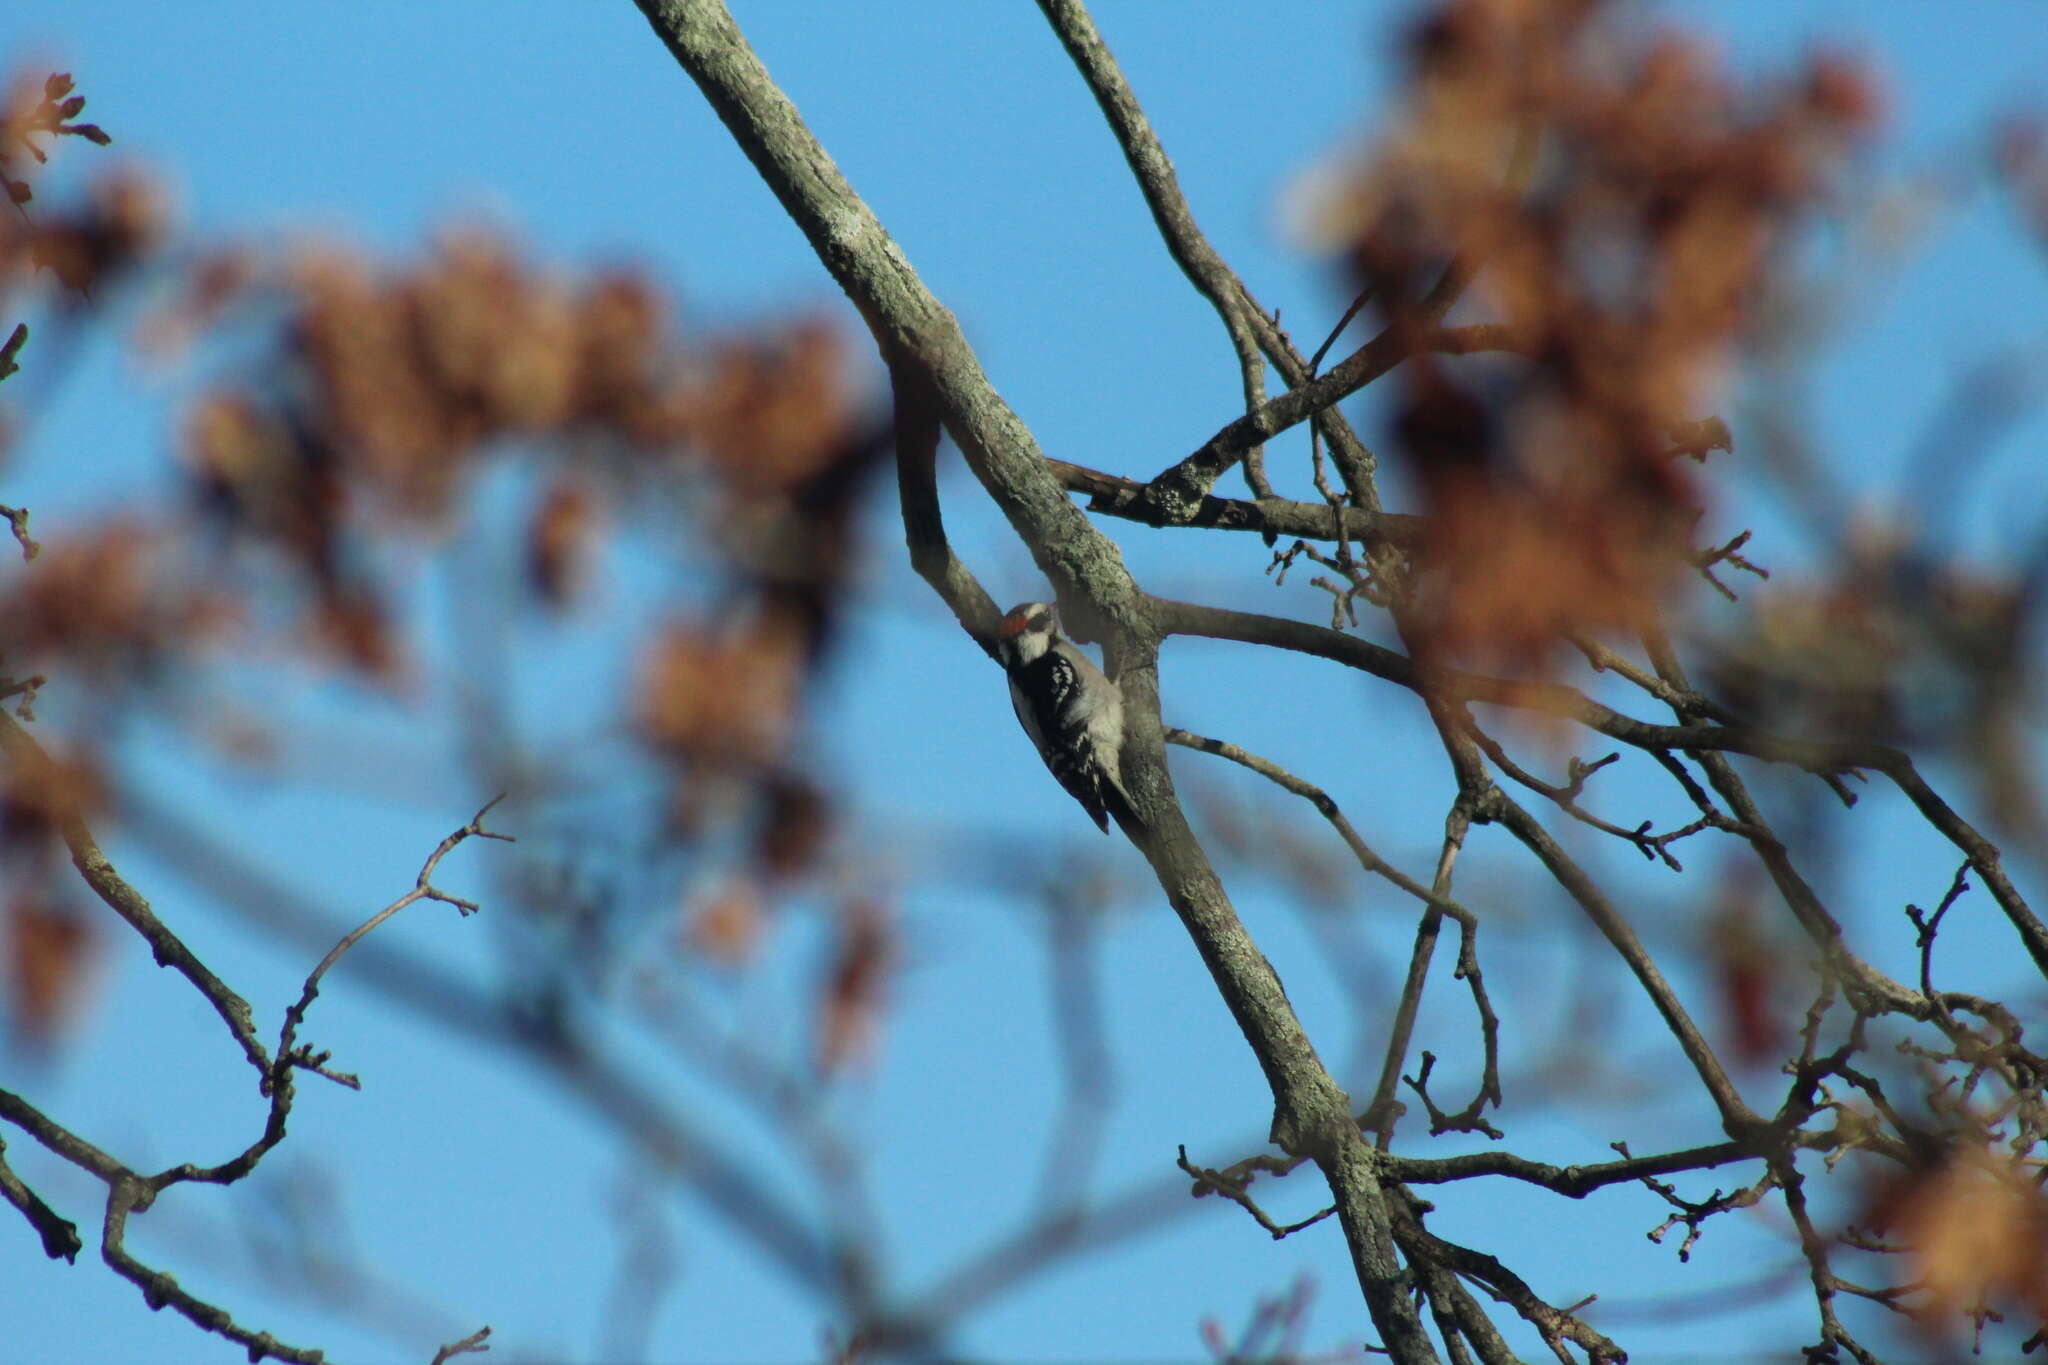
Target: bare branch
(1694, 1213)
(1438, 903)
(1131, 500)
(1242, 316)
(29, 758)
(1705, 560)
(1315, 361)
(1236, 1190)
(1177, 490)
(9, 352)
(1328, 808)
(60, 1140)
(475, 1341)
(1311, 1110)
(598, 1078)
(160, 1290)
(128, 1192)
(1381, 1115)
(17, 521)
(924, 526)
(59, 1234)
(289, 1054)
(1554, 699)
(1565, 796)
(1555, 1326)
(1574, 1182)
(1736, 1117)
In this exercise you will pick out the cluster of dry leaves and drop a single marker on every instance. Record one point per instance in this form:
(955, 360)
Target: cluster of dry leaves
(1977, 1232)
(386, 389)
(87, 246)
(1627, 250)
(1627, 219)
(50, 942)
(362, 416)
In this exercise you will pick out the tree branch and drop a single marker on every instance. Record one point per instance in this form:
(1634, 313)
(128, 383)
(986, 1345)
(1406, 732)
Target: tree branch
(596, 1077)
(1177, 490)
(160, 1290)
(11, 349)
(924, 526)
(1379, 1113)
(51, 785)
(1312, 1113)
(1210, 275)
(59, 1234)
(1736, 1116)
(1574, 1182)
(1129, 499)
(1215, 281)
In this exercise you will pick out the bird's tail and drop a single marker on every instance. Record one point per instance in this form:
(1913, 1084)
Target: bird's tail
(1117, 802)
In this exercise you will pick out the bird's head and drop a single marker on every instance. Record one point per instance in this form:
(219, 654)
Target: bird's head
(1026, 632)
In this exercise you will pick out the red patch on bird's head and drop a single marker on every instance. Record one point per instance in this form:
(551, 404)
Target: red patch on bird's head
(1016, 621)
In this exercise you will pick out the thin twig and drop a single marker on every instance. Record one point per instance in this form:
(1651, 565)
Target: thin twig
(1436, 900)
(59, 1234)
(1315, 362)
(288, 1052)
(41, 774)
(17, 521)
(1234, 1189)
(475, 1341)
(160, 1290)
(1212, 278)
(8, 352)
(1242, 314)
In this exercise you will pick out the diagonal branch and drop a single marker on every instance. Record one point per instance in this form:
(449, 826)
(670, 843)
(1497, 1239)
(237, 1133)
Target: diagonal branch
(1328, 808)
(1556, 1326)
(1129, 499)
(16, 339)
(1800, 896)
(1437, 898)
(160, 1290)
(1177, 490)
(1825, 757)
(607, 1084)
(1248, 322)
(1737, 1119)
(51, 786)
(1176, 494)
(59, 1234)
(1380, 1116)
(17, 522)
(1573, 1182)
(1488, 802)
(127, 1193)
(1213, 279)
(289, 1053)
(910, 326)
(924, 526)
(1311, 1112)
(1169, 494)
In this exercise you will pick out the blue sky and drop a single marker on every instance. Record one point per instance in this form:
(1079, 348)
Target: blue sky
(474, 1189)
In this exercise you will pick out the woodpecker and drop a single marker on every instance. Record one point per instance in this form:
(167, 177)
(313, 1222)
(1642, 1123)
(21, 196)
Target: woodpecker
(1070, 709)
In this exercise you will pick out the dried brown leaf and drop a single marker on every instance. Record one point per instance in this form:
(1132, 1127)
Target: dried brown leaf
(849, 1017)
(49, 950)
